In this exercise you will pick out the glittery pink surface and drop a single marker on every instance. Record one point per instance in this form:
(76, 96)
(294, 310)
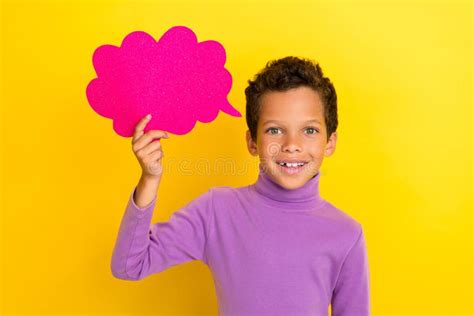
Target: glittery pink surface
(177, 79)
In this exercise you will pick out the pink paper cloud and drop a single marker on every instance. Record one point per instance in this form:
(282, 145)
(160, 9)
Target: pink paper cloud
(176, 79)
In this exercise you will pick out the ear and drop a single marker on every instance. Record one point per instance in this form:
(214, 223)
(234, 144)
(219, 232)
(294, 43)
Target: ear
(331, 145)
(251, 145)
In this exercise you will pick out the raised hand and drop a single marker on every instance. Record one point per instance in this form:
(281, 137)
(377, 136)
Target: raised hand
(148, 150)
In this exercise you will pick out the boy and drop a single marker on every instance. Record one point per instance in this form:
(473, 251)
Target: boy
(274, 247)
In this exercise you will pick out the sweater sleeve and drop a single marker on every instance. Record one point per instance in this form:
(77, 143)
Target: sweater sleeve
(351, 295)
(142, 248)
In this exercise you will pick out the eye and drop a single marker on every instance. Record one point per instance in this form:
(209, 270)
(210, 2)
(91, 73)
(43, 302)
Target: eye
(272, 129)
(314, 131)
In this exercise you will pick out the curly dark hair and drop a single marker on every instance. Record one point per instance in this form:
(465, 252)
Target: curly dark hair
(287, 73)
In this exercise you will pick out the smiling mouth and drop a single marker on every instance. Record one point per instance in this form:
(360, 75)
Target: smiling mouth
(291, 168)
(291, 164)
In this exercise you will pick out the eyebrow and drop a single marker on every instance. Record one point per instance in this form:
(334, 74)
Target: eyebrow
(275, 121)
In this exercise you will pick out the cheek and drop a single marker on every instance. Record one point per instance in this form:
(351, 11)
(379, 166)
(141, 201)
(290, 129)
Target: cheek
(316, 151)
(313, 147)
(269, 148)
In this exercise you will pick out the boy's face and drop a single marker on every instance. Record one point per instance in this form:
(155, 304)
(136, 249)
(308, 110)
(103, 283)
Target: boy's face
(285, 132)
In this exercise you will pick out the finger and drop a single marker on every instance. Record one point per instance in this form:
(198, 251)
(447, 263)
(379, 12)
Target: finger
(136, 137)
(147, 137)
(156, 155)
(142, 123)
(151, 147)
(140, 127)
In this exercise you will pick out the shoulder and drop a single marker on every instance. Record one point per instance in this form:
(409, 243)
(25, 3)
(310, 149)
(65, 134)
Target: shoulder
(227, 192)
(219, 193)
(227, 197)
(341, 216)
(342, 221)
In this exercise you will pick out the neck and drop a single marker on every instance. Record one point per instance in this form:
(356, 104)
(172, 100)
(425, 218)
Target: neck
(305, 197)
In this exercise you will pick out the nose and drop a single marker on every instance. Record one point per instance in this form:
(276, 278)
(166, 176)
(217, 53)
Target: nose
(291, 144)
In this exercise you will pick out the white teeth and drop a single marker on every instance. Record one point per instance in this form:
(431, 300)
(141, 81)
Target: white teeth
(292, 165)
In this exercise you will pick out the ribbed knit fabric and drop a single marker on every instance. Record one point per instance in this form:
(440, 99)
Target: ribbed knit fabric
(271, 251)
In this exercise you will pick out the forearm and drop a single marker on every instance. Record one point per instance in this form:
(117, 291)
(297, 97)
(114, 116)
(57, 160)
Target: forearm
(146, 191)
(132, 241)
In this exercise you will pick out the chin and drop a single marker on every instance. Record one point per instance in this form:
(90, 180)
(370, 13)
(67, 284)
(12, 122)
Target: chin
(293, 187)
(291, 184)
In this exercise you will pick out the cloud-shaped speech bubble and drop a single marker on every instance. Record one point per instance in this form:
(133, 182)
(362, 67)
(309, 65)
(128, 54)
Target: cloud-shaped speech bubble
(178, 80)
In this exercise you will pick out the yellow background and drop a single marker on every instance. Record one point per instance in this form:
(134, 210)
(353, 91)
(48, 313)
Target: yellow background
(403, 164)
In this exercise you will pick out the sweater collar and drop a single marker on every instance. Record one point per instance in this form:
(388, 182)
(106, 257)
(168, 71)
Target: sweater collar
(306, 197)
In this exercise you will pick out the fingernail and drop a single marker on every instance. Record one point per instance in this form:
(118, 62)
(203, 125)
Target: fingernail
(148, 116)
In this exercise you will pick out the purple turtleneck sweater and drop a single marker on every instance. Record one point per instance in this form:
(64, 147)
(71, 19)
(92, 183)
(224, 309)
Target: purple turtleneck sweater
(271, 251)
